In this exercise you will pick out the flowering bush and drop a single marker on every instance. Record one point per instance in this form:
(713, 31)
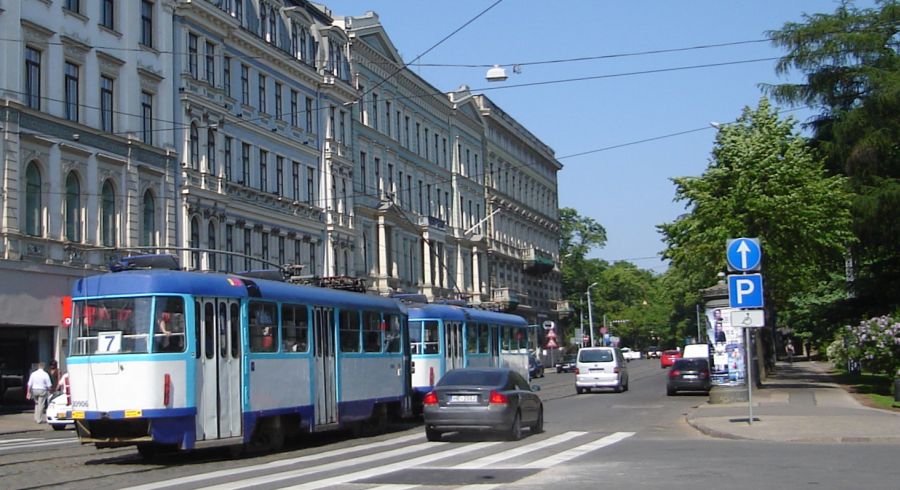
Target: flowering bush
(874, 342)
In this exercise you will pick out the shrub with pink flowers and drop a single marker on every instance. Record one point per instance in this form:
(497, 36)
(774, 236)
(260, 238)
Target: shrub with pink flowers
(874, 342)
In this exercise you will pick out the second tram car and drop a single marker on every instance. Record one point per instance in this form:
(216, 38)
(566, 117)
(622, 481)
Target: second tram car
(445, 337)
(166, 359)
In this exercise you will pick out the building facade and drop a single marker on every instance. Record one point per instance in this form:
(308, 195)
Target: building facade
(417, 175)
(87, 157)
(523, 225)
(263, 136)
(252, 134)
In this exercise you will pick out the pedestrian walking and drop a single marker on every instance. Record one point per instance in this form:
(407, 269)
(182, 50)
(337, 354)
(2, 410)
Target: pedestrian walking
(38, 389)
(789, 349)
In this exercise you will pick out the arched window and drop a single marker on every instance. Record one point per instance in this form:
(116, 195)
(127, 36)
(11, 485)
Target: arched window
(211, 151)
(33, 208)
(195, 147)
(195, 244)
(211, 243)
(73, 208)
(148, 223)
(108, 215)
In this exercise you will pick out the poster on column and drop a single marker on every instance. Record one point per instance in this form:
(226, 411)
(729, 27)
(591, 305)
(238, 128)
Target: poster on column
(729, 365)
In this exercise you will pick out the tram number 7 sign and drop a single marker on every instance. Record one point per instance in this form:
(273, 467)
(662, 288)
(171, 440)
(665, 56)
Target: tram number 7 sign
(745, 291)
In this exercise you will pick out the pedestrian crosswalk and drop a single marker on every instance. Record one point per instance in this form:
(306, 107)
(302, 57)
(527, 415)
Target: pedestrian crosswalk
(17, 445)
(397, 463)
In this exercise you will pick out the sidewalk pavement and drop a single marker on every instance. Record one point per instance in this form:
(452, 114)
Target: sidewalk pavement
(20, 421)
(800, 403)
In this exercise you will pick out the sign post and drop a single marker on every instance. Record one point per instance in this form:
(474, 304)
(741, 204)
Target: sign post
(745, 294)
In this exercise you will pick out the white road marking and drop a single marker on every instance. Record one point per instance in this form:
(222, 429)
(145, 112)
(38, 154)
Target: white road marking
(261, 480)
(15, 444)
(276, 464)
(512, 453)
(573, 453)
(358, 475)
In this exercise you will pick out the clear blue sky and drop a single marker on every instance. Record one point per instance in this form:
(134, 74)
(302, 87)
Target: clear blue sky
(625, 189)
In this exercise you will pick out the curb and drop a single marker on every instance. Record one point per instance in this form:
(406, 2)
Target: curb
(713, 432)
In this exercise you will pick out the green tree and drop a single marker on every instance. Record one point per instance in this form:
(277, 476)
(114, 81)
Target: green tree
(851, 63)
(763, 181)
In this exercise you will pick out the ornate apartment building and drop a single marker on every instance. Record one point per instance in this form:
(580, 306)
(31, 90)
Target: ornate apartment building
(88, 159)
(418, 175)
(523, 225)
(268, 129)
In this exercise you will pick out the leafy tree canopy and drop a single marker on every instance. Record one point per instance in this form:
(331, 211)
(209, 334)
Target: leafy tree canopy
(763, 181)
(851, 60)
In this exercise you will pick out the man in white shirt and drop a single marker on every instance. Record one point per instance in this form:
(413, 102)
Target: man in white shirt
(39, 386)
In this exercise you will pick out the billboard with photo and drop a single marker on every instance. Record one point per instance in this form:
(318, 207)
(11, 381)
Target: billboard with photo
(729, 361)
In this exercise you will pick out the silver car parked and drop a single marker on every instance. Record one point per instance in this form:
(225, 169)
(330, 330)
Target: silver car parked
(482, 399)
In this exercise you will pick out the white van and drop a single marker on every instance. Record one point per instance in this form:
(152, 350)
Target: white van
(600, 367)
(694, 351)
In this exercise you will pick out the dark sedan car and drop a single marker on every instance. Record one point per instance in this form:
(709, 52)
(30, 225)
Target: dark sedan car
(688, 375)
(567, 364)
(482, 399)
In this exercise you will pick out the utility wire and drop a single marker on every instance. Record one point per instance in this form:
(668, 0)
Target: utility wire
(448, 36)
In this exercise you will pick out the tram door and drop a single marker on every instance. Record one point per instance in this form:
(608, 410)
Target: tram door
(326, 366)
(219, 373)
(453, 345)
(495, 345)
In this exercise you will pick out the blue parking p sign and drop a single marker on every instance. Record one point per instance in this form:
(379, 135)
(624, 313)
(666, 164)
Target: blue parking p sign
(745, 291)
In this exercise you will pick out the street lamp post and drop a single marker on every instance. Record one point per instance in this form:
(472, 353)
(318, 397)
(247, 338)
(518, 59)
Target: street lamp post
(590, 313)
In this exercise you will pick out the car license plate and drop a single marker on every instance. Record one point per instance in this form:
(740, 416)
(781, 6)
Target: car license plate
(690, 376)
(463, 398)
(598, 370)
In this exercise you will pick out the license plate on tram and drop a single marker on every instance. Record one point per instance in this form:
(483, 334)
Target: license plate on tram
(463, 398)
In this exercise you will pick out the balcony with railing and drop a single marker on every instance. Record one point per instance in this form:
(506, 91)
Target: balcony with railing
(537, 261)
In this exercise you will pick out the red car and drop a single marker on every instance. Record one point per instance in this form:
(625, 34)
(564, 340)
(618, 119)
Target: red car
(668, 358)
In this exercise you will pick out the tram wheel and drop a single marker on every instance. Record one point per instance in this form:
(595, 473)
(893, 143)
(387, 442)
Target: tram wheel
(268, 437)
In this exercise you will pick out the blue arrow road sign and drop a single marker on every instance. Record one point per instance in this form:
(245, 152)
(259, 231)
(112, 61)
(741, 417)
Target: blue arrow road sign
(745, 291)
(743, 254)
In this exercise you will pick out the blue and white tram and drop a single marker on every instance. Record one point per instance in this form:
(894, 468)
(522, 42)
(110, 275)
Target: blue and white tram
(172, 359)
(445, 337)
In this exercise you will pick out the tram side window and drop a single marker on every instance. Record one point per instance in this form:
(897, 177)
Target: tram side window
(415, 337)
(294, 331)
(111, 326)
(372, 328)
(471, 338)
(349, 331)
(393, 336)
(484, 339)
(168, 333)
(235, 330)
(262, 327)
(431, 337)
(506, 340)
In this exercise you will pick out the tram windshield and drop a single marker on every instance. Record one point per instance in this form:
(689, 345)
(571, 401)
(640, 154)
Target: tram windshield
(126, 326)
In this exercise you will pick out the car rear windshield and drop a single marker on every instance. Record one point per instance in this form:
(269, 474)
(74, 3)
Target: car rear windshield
(697, 364)
(596, 356)
(473, 378)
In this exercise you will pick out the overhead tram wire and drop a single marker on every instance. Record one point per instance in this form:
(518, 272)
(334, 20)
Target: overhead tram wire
(448, 36)
(324, 201)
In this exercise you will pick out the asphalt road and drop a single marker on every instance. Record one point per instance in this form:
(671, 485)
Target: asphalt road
(602, 439)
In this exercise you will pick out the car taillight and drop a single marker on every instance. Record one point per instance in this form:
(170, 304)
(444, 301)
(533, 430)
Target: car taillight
(674, 373)
(704, 374)
(430, 399)
(616, 369)
(577, 371)
(498, 398)
(167, 390)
